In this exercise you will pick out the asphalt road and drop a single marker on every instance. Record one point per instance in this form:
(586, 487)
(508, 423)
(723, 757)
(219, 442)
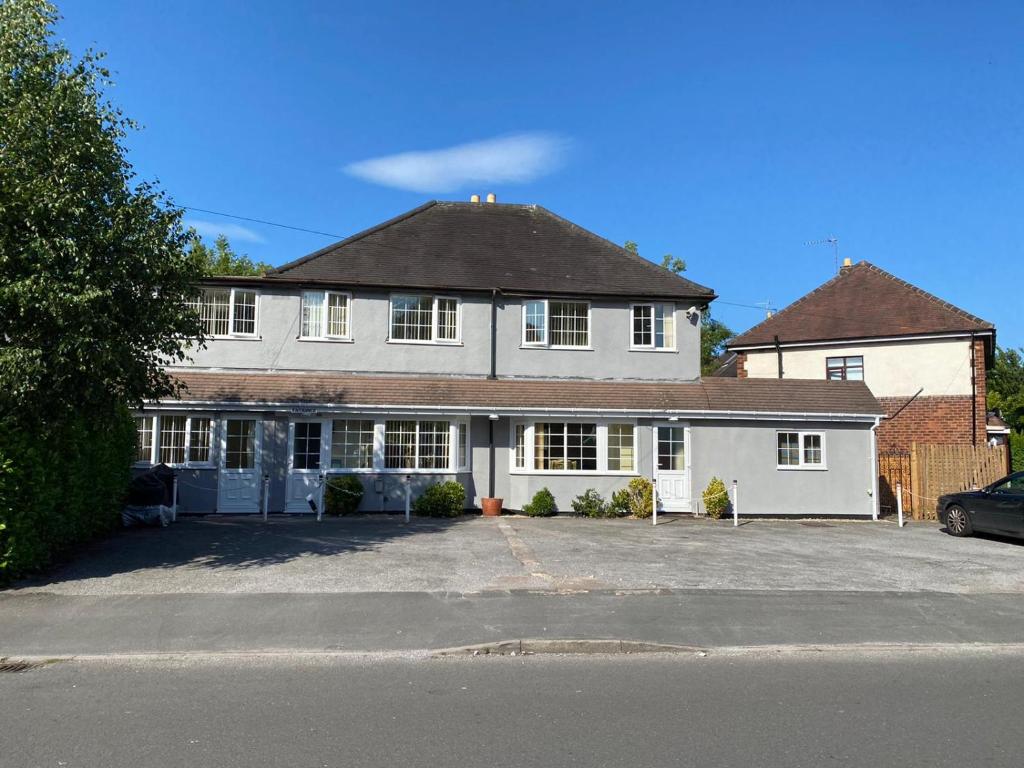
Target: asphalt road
(903, 709)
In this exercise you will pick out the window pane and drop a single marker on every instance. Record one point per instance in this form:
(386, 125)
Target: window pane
(664, 327)
(549, 445)
(434, 442)
(581, 447)
(447, 319)
(672, 449)
(789, 449)
(463, 445)
(400, 444)
(245, 312)
(337, 314)
(352, 444)
(812, 449)
(144, 429)
(240, 437)
(570, 324)
(643, 334)
(214, 308)
(620, 448)
(536, 325)
(312, 314)
(520, 446)
(855, 368)
(199, 440)
(306, 448)
(412, 318)
(172, 439)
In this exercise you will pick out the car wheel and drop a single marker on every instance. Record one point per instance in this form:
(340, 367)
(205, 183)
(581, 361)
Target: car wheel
(957, 521)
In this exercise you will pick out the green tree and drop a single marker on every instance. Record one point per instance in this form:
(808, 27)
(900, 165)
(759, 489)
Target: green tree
(221, 259)
(668, 261)
(95, 269)
(1005, 385)
(713, 333)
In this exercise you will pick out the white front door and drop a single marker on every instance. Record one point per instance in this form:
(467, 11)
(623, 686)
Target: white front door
(307, 443)
(238, 483)
(672, 466)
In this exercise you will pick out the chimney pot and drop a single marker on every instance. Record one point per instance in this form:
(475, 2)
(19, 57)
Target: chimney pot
(474, 198)
(491, 198)
(847, 266)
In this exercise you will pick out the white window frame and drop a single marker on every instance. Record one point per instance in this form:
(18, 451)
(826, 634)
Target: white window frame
(152, 440)
(546, 344)
(667, 308)
(602, 447)
(434, 316)
(324, 318)
(327, 441)
(231, 334)
(154, 454)
(803, 465)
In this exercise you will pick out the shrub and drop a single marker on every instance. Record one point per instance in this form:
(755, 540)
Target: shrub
(447, 499)
(343, 494)
(637, 497)
(619, 506)
(61, 483)
(716, 500)
(1017, 451)
(542, 504)
(590, 503)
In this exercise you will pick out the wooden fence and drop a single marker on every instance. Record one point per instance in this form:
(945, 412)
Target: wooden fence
(939, 469)
(893, 469)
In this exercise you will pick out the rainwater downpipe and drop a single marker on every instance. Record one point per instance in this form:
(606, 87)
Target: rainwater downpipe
(974, 395)
(493, 375)
(778, 352)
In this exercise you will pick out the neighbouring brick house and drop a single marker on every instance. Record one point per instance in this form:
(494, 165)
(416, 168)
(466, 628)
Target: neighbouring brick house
(923, 358)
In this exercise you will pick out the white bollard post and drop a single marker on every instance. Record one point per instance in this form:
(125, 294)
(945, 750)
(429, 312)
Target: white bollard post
(320, 506)
(174, 501)
(266, 496)
(899, 503)
(735, 505)
(654, 501)
(408, 497)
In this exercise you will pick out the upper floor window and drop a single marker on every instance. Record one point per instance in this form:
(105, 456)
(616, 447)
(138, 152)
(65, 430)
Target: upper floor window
(425, 319)
(844, 368)
(549, 323)
(325, 315)
(801, 450)
(227, 311)
(654, 326)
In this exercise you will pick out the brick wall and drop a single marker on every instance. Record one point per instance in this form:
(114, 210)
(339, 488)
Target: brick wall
(741, 365)
(937, 420)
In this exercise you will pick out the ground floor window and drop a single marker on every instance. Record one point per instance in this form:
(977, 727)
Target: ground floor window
(174, 439)
(573, 446)
(381, 444)
(801, 450)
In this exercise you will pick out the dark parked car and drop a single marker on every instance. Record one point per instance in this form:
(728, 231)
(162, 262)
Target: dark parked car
(996, 508)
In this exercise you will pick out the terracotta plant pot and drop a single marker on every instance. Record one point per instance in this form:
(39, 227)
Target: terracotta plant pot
(492, 507)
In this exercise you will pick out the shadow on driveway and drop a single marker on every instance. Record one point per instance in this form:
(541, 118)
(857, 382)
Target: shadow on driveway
(234, 542)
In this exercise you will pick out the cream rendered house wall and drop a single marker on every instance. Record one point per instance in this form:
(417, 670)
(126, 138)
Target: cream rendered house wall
(891, 369)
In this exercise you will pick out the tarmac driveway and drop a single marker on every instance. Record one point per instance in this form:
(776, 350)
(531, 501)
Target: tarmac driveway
(472, 554)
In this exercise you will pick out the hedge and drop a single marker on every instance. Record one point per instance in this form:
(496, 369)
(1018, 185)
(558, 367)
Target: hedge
(60, 484)
(1017, 451)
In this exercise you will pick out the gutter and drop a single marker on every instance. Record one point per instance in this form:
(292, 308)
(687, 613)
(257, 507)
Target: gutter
(851, 341)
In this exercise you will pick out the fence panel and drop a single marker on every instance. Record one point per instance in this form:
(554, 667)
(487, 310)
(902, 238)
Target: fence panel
(893, 468)
(939, 469)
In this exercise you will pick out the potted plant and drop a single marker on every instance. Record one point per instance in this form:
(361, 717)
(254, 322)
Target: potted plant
(492, 506)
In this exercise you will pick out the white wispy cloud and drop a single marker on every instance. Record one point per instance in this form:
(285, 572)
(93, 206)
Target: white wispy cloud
(516, 158)
(230, 231)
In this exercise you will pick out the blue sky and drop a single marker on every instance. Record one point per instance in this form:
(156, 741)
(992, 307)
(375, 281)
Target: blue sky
(729, 134)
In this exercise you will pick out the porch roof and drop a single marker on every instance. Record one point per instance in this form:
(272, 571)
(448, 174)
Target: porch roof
(758, 397)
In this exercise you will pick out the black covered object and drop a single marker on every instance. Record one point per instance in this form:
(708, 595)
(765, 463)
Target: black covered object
(155, 486)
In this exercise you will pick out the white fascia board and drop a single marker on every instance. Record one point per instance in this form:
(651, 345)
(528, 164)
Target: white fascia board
(599, 413)
(851, 342)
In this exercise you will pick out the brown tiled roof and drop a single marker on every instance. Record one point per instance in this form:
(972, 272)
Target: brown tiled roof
(482, 246)
(743, 395)
(861, 302)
